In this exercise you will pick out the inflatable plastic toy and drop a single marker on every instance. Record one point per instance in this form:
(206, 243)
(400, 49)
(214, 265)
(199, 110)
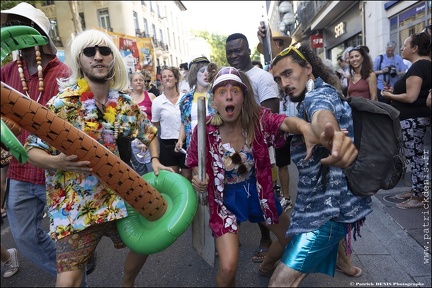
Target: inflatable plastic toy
(149, 237)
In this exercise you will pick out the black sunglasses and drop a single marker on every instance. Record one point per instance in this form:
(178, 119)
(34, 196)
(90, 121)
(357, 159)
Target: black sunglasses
(147, 81)
(236, 159)
(91, 51)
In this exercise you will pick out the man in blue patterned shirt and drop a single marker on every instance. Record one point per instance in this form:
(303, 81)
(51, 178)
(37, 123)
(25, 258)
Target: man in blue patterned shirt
(325, 211)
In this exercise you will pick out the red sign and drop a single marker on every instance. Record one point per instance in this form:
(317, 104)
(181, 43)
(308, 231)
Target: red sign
(317, 41)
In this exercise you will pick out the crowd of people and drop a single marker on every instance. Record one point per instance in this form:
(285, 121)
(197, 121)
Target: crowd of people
(259, 119)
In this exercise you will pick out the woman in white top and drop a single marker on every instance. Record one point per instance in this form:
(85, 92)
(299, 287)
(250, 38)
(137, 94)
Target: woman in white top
(166, 117)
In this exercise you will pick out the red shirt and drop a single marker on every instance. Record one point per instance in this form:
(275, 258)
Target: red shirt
(9, 75)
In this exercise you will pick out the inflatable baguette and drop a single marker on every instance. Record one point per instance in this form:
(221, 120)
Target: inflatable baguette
(39, 120)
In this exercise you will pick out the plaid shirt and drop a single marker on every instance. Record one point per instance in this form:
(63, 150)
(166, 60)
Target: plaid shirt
(9, 75)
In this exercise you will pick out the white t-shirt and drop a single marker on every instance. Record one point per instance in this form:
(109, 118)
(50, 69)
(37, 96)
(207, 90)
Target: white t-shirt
(263, 85)
(168, 116)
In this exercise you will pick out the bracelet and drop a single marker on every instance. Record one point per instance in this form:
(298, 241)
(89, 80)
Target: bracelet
(151, 159)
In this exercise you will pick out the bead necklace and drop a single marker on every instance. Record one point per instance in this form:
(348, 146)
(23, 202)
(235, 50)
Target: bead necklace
(40, 74)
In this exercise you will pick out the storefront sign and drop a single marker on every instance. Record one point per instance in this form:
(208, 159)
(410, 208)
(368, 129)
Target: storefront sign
(317, 41)
(340, 29)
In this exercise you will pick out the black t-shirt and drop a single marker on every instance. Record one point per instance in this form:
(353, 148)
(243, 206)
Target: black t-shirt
(422, 69)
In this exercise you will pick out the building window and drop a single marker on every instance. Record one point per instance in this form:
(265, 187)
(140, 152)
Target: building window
(408, 22)
(146, 30)
(104, 21)
(135, 19)
(154, 32)
(47, 3)
(83, 25)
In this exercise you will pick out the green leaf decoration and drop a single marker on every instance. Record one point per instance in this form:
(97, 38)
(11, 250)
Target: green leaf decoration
(12, 144)
(19, 37)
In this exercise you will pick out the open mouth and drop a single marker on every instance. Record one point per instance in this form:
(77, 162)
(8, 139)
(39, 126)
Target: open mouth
(229, 109)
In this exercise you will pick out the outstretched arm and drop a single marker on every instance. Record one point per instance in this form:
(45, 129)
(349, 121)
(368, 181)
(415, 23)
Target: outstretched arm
(343, 150)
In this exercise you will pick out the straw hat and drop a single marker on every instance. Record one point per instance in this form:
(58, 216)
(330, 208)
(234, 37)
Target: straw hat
(37, 17)
(276, 35)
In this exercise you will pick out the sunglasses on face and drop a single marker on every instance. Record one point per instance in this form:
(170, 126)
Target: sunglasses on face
(236, 159)
(147, 81)
(91, 51)
(286, 51)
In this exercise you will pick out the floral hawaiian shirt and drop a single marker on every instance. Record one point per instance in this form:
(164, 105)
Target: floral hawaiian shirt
(186, 110)
(267, 134)
(76, 201)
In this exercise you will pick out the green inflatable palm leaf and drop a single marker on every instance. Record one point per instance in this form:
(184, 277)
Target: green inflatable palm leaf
(19, 37)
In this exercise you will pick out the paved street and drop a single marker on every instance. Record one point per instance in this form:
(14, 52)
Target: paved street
(392, 252)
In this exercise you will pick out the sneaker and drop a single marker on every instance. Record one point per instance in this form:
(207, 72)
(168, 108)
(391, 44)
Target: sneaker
(12, 265)
(286, 203)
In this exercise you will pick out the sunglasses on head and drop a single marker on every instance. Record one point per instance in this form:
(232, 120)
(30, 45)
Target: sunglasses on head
(228, 70)
(236, 159)
(91, 51)
(286, 51)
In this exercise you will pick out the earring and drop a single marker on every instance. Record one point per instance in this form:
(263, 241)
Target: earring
(216, 119)
(310, 85)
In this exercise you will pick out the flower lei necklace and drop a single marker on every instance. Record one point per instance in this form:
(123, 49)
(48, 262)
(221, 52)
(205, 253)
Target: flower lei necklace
(107, 129)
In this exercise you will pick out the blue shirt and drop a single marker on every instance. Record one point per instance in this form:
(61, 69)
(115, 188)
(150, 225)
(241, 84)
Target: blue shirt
(316, 204)
(396, 61)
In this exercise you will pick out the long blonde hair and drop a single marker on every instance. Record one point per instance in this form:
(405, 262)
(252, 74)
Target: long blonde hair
(88, 38)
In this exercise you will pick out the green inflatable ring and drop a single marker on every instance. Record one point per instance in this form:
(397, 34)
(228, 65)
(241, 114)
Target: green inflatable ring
(12, 144)
(148, 237)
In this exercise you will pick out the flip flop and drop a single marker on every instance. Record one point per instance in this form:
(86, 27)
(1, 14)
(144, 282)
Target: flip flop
(358, 274)
(260, 254)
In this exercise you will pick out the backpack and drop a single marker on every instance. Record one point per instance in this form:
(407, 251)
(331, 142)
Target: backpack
(380, 163)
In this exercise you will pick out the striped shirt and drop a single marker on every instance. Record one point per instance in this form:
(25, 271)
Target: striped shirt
(9, 75)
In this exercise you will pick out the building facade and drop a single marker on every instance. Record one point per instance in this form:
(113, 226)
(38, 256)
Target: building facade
(332, 26)
(161, 21)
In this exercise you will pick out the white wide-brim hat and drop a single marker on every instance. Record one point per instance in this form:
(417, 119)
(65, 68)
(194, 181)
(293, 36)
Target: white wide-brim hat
(37, 17)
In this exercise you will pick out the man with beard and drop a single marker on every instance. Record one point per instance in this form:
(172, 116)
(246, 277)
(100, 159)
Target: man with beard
(326, 212)
(83, 209)
(26, 203)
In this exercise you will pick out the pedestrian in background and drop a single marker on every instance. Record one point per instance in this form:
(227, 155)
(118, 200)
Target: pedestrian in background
(140, 156)
(166, 117)
(184, 86)
(198, 80)
(362, 81)
(148, 85)
(9, 257)
(388, 67)
(409, 96)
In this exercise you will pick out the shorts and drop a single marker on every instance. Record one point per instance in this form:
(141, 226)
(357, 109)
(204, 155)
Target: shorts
(283, 154)
(74, 250)
(168, 156)
(315, 251)
(242, 200)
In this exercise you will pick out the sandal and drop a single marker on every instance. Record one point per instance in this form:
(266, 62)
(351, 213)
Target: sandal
(412, 203)
(261, 252)
(404, 196)
(358, 273)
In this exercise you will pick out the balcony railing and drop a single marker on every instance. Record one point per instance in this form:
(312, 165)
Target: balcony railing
(307, 11)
